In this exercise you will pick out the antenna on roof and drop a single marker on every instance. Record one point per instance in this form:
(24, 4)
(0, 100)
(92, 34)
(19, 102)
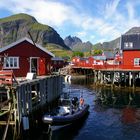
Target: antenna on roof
(31, 38)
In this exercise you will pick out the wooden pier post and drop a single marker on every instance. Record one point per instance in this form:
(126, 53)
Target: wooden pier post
(130, 77)
(102, 77)
(133, 77)
(95, 77)
(112, 73)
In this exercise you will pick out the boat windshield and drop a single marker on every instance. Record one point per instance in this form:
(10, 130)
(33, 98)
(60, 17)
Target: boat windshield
(65, 102)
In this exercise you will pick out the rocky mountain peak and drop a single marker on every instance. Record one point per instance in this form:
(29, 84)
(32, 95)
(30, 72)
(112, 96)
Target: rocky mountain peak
(17, 26)
(71, 41)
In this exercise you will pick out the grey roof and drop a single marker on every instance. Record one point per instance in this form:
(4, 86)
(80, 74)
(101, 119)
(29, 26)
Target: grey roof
(99, 57)
(134, 38)
(83, 58)
(57, 59)
(109, 54)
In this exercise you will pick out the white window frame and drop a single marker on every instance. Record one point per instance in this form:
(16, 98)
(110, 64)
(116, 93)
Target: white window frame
(87, 61)
(128, 44)
(9, 62)
(137, 62)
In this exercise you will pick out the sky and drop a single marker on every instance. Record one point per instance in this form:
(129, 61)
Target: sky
(90, 20)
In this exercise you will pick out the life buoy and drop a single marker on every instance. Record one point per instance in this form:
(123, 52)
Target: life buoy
(81, 101)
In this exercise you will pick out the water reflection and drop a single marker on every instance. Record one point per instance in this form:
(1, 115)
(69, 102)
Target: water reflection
(129, 115)
(117, 98)
(114, 114)
(68, 132)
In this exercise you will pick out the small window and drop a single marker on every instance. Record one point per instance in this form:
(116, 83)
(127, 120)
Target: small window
(78, 60)
(87, 61)
(131, 44)
(11, 62)
(136, 61)
(128, 44)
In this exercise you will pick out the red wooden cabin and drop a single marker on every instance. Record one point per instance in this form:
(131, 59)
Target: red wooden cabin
(75, 61)
(130, 45)
(24, 56)
(57, 63)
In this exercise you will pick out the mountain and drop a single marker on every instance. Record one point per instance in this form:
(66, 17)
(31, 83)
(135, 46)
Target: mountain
(71, 41)
(76, 44)
(17, 26)
(115, 44)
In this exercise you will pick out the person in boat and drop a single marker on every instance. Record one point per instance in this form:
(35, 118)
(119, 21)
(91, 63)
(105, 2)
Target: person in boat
(74, 104)
(81, 101)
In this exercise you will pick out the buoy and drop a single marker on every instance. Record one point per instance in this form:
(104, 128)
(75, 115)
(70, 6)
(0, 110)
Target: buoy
(25, 123)
(66, 77)
(69, 79)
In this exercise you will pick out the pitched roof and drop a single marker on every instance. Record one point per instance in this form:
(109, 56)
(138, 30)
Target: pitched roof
(130, 42)
(28, 40)
(99, 57)
(57, 59)
(109, 54)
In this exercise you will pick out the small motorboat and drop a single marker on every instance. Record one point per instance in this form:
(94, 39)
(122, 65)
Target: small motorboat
(67, 113)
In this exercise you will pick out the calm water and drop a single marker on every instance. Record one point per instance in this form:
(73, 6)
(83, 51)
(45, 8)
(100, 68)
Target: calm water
(113, 115)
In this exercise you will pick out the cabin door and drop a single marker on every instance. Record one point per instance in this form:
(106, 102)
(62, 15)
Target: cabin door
(42, 66)
(34, 65)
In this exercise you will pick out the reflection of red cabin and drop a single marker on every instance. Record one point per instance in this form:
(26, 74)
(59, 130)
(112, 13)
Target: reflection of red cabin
(23, 56)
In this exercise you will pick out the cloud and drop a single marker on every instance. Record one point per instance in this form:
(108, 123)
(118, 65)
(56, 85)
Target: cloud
(49, 12)
(81, 34)
(115, 16)
(130, 9)
(110, 8)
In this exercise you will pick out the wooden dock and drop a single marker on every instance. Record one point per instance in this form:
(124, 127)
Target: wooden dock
(18, 103)
(111, 77)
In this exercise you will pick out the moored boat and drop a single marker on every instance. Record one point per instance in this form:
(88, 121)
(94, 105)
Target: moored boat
(67, 113)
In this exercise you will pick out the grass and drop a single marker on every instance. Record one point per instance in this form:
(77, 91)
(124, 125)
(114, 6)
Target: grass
(38, 26)
(58, 51)
(17, 17)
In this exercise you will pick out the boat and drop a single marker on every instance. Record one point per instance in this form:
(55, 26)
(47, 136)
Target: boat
(70, 111)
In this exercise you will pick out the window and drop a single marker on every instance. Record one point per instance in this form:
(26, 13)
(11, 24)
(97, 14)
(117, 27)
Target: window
(11, 62)
(128, 44)
(136, 61)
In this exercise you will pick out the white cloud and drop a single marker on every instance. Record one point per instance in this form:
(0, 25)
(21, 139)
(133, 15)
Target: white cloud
(92, 37)
(81, 34)
(130, 9)
(108, 25)
(47, 12)
(111, 8)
